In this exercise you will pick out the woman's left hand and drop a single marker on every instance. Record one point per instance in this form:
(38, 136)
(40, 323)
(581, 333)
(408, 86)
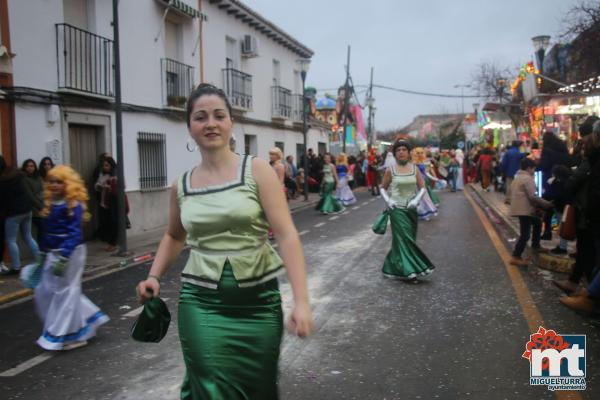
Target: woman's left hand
(301, 321)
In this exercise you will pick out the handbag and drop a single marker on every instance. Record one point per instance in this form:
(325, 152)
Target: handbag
(153, 322)
(567, 227)
(380, 225)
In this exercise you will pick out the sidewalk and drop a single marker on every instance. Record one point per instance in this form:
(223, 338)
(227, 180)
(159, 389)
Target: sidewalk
(141, 247)
(495, 202)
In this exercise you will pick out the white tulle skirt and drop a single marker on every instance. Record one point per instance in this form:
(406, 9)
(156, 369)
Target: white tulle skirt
(426, 209)
(68, 316)
(343, 192)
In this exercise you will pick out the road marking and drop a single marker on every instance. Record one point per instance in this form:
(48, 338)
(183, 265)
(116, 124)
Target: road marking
(27, 364)
(137, 311)
(303, 233)
(334, 218)
(320, 224)
(356, 208)
(530, 310)
(346, 213)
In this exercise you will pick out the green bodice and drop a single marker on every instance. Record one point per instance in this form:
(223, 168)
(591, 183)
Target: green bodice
(226, 222)
(403, 186)
(327, 174)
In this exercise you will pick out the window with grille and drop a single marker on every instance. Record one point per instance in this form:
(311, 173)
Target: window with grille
(152, 150)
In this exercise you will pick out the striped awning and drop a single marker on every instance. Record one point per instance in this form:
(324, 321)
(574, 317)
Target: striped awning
(183, 8)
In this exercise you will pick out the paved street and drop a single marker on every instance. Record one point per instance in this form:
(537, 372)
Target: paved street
(458, 334)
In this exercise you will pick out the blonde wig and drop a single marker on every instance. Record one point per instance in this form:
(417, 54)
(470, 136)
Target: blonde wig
(75, 191)
(342, 159)
(277, 151)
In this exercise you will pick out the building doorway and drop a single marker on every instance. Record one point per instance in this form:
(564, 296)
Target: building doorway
(86, 143)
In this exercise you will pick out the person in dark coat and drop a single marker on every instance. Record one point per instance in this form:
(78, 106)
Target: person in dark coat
(14, 201)
(510, 164)
(556, 192)
(577, 189)
(554, 152)
(588, 300)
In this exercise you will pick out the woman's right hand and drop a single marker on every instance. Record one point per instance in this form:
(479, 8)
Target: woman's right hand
(148, 289)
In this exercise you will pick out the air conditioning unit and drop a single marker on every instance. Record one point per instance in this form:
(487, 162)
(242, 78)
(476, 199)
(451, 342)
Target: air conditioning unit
(249, 46)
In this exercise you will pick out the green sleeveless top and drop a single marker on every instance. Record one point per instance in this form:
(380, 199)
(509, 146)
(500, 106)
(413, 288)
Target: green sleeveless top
(403, 186)
(327, 174)
(226, 223)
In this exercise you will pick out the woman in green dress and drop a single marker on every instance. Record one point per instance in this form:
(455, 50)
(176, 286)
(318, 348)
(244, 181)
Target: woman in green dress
(402, 190)
(230, 317)
(329, 203)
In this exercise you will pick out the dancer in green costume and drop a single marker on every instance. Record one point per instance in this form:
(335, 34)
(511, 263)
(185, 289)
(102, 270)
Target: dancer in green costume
(402, 189)
(328, 203)
(230, 317)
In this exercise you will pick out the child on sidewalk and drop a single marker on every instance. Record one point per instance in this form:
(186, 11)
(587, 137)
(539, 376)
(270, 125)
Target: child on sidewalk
(523, 204)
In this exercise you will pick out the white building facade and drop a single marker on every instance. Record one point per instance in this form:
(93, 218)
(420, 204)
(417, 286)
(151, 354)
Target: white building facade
(63, 87)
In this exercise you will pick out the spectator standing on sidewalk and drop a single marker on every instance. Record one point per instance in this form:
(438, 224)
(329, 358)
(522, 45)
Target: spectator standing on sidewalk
(510, 163)
(588, 301)
(35, 192)
(577, 188)
(554, 152)
(556, 192)
(230, 315)
(45, 165)
(290, 177)
(523, 205)
(68, 316)
(107, 210)
(17, 207)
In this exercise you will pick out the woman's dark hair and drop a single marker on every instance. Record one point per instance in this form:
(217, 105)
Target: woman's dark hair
(24, 166)
(527, 163)
(591, 144)
(204, 89)
(113, 165)
(587, 125)
(42, 170)
(401, 143)
(551, 141)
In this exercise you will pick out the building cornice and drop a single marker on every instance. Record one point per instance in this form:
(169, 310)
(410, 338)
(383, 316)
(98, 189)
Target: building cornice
(238, 10)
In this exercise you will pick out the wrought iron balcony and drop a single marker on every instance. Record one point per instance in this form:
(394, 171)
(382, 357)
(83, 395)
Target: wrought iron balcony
(297, 108)
(178, 81)
(85, 61)
(281, 101)
(238, 87)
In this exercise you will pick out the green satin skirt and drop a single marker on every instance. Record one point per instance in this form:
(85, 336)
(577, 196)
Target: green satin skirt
(328, 203)
(230, 339)
(405, 259)
(434, 197)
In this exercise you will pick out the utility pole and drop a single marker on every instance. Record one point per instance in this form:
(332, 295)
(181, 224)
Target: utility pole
(370, 101)
(122, 215)
(346, 102)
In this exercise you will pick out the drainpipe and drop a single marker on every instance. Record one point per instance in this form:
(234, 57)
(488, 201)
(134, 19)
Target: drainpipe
(201, 44)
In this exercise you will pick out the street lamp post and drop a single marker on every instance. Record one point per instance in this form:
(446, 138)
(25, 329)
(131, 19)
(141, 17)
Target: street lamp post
(304, 64)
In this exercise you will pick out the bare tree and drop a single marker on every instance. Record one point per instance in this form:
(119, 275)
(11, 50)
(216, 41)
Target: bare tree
(581, 26)
(491, 81)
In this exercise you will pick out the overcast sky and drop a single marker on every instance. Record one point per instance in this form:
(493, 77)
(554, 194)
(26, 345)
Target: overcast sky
(423, 45)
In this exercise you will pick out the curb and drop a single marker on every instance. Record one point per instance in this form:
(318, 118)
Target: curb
(504, 218)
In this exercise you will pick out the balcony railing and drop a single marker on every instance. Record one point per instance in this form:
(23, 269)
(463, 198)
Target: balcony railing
(238, 87)
(85, 61)
(178, 81)
(281, 100)
(297, 108)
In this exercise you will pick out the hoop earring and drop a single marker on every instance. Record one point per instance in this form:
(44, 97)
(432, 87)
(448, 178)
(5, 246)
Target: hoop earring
(191, 146)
